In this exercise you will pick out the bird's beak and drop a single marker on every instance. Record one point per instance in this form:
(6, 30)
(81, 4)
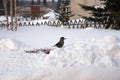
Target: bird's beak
(65, 38)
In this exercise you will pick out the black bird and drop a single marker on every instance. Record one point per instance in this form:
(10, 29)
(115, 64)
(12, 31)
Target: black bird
(60, 43)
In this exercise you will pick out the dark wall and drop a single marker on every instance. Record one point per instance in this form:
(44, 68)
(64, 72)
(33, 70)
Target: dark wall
(52, 5)
(2, 12)
(1, 3)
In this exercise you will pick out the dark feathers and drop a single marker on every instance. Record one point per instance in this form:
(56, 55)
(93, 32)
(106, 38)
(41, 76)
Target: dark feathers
(60, 43)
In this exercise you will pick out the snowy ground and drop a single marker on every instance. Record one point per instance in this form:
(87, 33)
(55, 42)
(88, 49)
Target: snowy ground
(88, 54)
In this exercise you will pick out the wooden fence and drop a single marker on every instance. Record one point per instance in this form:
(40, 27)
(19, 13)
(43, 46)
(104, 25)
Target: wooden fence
(36, 21)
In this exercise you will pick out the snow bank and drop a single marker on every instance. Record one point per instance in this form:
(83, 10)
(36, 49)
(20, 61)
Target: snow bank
(11, 44)
(84, 73)
(104, 53)
(77, 61)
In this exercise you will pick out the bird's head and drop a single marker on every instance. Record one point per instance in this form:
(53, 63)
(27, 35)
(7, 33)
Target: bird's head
(62, 38)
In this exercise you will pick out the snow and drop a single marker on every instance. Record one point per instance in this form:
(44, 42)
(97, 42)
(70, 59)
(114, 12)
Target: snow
(2, 18)
(10, 44)
(88, 54)
(51, 15)
(99, 53)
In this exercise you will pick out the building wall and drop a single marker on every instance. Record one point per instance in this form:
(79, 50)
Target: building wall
(1, 8)
(77, 10)
(36, 9)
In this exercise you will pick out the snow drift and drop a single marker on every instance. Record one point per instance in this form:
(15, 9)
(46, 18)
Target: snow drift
(11, 44)
(79, 60)
(104, 53)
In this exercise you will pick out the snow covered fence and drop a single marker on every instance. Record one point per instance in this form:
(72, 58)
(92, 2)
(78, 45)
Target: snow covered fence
(38, 21)
(78, 23)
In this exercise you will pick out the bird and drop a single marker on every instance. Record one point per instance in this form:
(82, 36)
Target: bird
(60, 43)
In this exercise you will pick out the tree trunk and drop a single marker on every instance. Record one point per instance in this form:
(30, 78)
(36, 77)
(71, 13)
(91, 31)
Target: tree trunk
(11, 14)
(6, 13)
(15, 6)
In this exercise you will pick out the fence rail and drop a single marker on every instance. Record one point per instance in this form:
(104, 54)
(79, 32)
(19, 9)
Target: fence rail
(36, 21)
